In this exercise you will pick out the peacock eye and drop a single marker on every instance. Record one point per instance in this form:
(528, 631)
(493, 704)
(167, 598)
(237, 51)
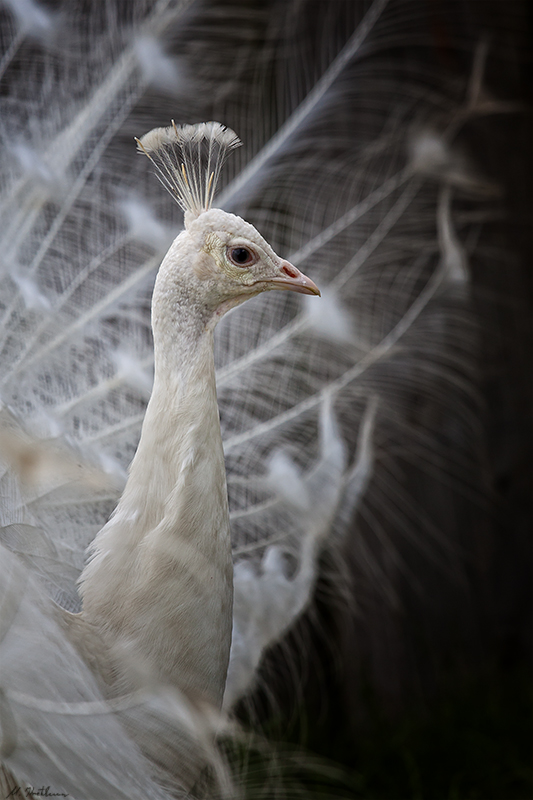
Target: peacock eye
(241, 256)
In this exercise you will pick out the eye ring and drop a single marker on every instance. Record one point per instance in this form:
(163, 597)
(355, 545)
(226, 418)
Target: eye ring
(241, 256)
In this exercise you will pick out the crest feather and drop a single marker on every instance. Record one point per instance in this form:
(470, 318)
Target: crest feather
(188, 160)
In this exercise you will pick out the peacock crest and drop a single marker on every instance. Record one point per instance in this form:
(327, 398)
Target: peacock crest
(188, 160)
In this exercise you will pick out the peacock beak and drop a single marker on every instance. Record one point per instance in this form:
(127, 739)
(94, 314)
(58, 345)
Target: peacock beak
(290, 278)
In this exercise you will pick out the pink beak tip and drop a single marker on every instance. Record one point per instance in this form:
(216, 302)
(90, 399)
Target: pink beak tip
(298, 282)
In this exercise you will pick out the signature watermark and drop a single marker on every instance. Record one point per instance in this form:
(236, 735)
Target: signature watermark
(31, 791)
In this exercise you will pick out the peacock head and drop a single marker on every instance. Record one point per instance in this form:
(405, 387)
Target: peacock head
(219, 260)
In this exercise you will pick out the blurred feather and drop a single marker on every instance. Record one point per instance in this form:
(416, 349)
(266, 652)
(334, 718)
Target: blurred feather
(352, 429)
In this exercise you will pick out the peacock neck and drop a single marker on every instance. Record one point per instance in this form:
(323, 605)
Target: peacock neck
(181, 429)
(161, 575)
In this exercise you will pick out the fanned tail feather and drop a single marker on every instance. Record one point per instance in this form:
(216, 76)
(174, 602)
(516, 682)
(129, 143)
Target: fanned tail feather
(351, 426)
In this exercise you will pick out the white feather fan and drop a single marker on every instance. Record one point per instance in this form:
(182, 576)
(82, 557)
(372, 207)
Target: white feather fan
(352, 168)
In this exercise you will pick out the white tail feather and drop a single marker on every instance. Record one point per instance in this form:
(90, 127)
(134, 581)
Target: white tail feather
(337, 418)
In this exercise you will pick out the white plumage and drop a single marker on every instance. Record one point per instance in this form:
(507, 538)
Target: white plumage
(350, 167)
(159, 581)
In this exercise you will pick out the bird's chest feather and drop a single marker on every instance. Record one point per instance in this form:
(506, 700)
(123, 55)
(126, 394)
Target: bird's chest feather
(160, 582)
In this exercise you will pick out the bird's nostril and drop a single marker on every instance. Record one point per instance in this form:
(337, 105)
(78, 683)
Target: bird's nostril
(290, 271)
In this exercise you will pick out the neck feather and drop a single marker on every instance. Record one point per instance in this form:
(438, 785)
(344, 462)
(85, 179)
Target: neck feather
(160, 579)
